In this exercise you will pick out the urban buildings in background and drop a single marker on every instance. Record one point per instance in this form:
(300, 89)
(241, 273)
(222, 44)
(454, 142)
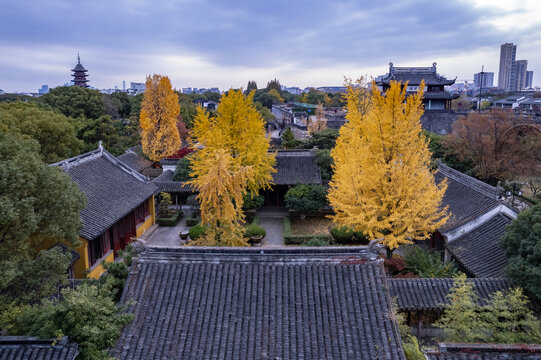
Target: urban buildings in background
(483, 80)
(189, 90)
(44, 89)
(513, 74)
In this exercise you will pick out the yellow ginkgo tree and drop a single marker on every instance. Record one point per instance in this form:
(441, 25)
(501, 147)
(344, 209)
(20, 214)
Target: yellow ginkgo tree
(233, 145)
(159, 111)
(220, 181)
(383, 184)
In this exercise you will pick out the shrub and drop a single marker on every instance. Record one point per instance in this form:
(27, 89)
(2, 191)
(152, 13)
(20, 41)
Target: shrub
(253, 230)
(182, 171)
(192, 221)
(252, 201)
(197, 231)
(394, 265)
(427, 264)
(316, 241)
(345, 235)
(164, 203)
(306, 198)
(170, 221)
(342, 235)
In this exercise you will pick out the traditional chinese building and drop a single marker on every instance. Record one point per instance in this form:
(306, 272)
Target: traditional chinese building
(79, 74)
(120, 206)
(435, 97)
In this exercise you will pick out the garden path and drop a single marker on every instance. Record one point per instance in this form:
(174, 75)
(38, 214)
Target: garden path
(273, 222)
(167, 236)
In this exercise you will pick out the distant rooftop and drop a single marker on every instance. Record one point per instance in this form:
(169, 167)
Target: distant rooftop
(414, 75)
(25, 348)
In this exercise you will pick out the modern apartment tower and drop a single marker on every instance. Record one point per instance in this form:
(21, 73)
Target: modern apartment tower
(484, 80)
(521, 70)
(506, 78)
(529, 79)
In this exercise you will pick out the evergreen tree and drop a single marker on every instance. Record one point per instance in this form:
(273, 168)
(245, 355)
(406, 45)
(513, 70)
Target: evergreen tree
(288, 140)
(159, 112)
(382, 182)
(274, 84)
(252, 85)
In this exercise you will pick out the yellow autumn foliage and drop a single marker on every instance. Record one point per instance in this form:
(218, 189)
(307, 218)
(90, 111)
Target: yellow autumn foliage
(382, 182)
(158, 118)
(220, 182)
(319, 123)
(239, 129)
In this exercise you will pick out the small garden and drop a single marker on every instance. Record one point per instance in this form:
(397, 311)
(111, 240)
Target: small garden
(167, 216)
(419, 263)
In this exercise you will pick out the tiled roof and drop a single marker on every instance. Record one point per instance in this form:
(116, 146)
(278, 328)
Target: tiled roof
(479, 250)
(23, 348)
(466, 197)
(152, 173)
(112, 189)
(431, 294)
(135, 161)
(454, 351)
(296, 167)
(247, 303)
(414, 75)
(165, 183)
(169, 161)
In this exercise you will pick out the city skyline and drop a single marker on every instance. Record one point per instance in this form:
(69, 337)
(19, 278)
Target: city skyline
(227, 44)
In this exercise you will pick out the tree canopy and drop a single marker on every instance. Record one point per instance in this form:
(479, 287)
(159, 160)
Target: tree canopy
(522, 244)
(382, 182)
(39, 204)
(75, 101)
(306, 198)
(505, 319)
(159, 113)
(54, 132)
(499, 144)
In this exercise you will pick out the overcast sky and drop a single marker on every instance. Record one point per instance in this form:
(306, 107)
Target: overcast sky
(226, 43)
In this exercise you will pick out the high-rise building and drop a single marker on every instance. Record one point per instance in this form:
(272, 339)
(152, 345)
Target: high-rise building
(44, 89)
(484, 80)
(521, 69)
(529, 79)
(506, 78)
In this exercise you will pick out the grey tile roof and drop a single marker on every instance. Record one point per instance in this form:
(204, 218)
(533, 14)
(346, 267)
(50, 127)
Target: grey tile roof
(135, 161)
(296, 167)
(454, 351)
(431, 294)
(23, 348)
(479, 250)
(112, 189)
(152, 173)
(414, 75)
(466, 197)
(165, 183)
(246, 303)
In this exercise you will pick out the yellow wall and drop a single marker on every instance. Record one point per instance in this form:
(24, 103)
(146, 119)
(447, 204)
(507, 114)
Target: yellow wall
(81, 265)
(151, 220)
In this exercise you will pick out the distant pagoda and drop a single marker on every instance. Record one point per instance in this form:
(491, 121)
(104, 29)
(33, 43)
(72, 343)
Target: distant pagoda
(79, 74)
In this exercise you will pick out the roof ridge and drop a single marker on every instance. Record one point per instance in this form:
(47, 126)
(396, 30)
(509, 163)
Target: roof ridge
(490, 191)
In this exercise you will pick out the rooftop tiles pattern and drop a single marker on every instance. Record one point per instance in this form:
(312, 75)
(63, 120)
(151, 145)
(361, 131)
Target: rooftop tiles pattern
(212, 303)
(296, 167)
(135, 161)
(431, 294)
(20, 348)
(479, 250)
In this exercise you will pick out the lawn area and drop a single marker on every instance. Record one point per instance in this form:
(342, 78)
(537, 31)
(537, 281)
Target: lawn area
(311, 225)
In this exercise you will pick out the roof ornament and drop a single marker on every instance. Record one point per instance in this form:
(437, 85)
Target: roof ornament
(100, 146)
(78, 58)
(390, 68)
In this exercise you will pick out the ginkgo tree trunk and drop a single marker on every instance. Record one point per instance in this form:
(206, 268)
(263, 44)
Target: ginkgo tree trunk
(383, 184)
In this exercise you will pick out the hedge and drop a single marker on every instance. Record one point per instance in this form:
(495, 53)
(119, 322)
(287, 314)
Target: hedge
(170, 221)
(192, 221)
(299, 239)
(197, 231)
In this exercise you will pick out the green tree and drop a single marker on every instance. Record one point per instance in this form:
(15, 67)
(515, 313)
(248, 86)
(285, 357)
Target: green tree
(183, 169)
(75, 101)
(124, 110)
(268, 98)
(53, 131)
(87, 314)
(39, 204)
(252, 85)
(505, 319)
(522, 244)
(306, 198)
(324, 139)
(266, 114)
(104, 129)
(274, 85)
(289, 141)
(315, 97)
(325, 162)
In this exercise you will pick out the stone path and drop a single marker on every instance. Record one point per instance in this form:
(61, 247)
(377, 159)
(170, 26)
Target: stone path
(272, 220)
(167, 236)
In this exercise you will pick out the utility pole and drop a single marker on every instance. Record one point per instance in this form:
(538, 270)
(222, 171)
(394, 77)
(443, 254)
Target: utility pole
(481, 76)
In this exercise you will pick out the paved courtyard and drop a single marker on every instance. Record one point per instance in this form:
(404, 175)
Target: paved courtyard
(168, 236)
